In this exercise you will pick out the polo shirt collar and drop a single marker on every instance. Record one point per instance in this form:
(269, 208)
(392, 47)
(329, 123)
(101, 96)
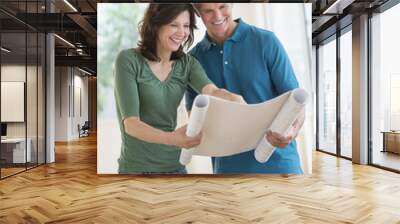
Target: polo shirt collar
(237, 35)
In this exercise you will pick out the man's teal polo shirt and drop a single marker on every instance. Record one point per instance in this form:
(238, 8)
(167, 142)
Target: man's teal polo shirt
(254, 64)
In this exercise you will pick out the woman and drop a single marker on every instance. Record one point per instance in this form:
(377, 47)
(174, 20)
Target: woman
(149, 85)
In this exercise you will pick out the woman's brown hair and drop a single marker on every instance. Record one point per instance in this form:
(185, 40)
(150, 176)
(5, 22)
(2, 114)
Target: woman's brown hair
(156, 16)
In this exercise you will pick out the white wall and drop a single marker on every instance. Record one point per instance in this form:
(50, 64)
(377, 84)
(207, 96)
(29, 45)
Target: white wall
(16, 73)
(80, 109)
(33, 126)
(61, 103)
(71, 93)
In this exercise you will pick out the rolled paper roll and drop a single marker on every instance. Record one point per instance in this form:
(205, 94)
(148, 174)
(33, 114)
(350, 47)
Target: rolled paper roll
(282, 122)
(263, 151)
(196, 122)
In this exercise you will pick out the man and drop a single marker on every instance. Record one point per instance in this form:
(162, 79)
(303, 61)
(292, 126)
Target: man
(253, 63)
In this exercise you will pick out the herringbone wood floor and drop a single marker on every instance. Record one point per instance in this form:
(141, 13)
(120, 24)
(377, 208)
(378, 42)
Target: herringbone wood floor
(70, 191)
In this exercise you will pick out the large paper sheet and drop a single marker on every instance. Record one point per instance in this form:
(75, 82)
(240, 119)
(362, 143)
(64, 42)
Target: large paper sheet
(230, 128)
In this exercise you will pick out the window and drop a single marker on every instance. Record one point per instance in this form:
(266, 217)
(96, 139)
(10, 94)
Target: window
(394, 102)
(327, 97)
(22, 65)
(385, 85)
(346, 94)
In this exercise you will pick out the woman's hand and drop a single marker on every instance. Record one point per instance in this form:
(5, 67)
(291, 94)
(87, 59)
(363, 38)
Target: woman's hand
(180, 139)
(138, 129)
(235, 97)
(212, 90)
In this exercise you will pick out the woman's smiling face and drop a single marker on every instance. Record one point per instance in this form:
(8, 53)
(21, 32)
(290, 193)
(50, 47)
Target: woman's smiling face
(173, 35)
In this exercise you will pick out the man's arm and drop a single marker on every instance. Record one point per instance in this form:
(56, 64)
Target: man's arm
(283, 79)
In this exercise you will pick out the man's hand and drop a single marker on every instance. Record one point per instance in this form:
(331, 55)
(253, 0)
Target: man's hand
(281, 141)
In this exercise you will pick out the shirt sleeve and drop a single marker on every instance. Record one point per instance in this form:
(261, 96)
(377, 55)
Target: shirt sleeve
(197, 76)
(189, 98)
(280, 68)
(197, 80)
(125, 86)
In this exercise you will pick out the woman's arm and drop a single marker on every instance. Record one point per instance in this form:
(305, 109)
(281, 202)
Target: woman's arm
(212, 90)
(135, 127)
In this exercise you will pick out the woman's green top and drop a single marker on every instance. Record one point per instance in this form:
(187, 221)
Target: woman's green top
(139, 93)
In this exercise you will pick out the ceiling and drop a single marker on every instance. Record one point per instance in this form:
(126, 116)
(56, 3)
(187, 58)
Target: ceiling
(332, 15)
(76, 22)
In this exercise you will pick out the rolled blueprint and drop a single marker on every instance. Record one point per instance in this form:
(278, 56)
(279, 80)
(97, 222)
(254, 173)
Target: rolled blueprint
(196, 122)
(230, 128)
(282, 122)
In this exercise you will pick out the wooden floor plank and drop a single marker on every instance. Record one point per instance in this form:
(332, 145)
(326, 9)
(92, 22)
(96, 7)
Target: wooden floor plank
(70, 191)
